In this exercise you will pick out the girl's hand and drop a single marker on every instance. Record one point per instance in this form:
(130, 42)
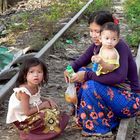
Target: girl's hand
(45, 104)
(78, 77)
(52, 103)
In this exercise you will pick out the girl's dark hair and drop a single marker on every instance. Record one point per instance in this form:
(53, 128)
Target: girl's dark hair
(111, 26)
(100, 17)
(26, 65)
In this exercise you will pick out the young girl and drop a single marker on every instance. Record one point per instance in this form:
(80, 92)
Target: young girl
(35, 117)
(108, 57)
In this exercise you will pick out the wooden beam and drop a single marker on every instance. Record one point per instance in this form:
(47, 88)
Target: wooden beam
(125, 126)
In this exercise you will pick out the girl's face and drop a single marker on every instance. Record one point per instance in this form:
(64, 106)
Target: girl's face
(35, 75)
(95, 33)
(109, 38)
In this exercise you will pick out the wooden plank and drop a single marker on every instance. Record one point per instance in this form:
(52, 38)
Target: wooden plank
(138, 61)
(124, 127)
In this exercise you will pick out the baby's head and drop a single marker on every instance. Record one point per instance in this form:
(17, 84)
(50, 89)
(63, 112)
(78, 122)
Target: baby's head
(27, 66)
(110, 33)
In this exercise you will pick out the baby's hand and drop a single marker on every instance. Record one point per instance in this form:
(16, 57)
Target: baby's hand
(96, 59)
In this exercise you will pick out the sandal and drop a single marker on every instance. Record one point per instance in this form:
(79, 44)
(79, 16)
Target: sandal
(78, 127)
(85, 134)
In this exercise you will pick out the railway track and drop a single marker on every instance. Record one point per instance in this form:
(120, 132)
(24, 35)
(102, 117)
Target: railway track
(56, 60)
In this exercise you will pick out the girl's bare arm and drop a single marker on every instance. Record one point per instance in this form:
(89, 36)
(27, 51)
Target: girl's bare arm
(24, 98)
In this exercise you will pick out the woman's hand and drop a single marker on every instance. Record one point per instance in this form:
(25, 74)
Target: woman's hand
(78, 77)
(66, 76)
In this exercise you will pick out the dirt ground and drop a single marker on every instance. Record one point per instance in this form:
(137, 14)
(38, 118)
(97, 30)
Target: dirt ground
(67, 48)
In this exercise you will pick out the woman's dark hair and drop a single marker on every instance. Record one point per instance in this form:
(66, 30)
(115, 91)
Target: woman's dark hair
(111, 26)
(100, 17)
(26, 65)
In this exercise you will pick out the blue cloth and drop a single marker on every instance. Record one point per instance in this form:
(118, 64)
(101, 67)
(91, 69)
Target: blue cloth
(100, 107)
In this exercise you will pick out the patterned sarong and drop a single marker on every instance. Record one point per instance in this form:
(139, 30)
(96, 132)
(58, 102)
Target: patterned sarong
(45, 125)
(100, 107)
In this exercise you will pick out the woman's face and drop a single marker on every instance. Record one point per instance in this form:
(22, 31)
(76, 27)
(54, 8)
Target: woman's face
(95, 33)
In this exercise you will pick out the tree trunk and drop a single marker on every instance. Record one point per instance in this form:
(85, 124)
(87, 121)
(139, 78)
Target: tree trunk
(3, 5)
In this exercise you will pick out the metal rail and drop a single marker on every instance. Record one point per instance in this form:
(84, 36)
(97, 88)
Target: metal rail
(10, 84)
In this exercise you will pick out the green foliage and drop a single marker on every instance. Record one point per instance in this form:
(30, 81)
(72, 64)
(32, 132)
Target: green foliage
(132, 10)
(56, 10)
(64, 8)
(133, 39)
(18, 27)
(99, 5)
(23, 17)
(75, 5)
(19, 22)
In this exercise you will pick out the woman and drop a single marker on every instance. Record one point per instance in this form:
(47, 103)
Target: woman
(101, 102)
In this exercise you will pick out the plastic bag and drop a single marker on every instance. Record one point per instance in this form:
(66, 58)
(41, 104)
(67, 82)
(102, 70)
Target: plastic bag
(70, 94)
(5, 57)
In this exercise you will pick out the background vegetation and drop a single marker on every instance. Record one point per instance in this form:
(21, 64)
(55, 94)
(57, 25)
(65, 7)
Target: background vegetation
(37, 22)
(132, 11)
(99, 5)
